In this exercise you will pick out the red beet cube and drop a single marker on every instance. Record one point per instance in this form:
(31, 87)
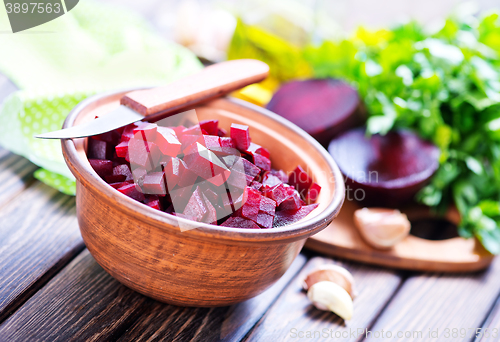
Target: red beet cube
(241, 136)
(172, 171)
(205, 164)
(211, 215)
(257, 149)
(123, 170)
(167, 142)
(119, 184)
(111, 137)
(262, 162)
(131, 191)
(210, 126)
(188, 140)
(267, 206)
(154, 183)
(187, 177)
(250, 208)
(286, 217)
(264, 220)
(278, 193)
(98, 149)
(122, 149)
(128, 132)
(196, 208)
(180, 198)
(239, 222)
(153, 202)
(293, 202)
(144, 154)
(270, 180)
(212, 142)
(146, 130)
(227, 142)
(193, 130)
(300, 180)
(221, 132)
(102, 167)
(313, 193)
(283, 177)
(256, 185)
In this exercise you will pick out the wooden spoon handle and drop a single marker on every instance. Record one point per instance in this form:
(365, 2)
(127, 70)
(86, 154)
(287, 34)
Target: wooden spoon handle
(213, 81)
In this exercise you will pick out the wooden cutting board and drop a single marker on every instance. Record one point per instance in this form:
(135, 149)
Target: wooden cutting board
(341, 239)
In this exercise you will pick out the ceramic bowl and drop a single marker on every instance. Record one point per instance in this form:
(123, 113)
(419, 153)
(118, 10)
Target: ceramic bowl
(144, 248)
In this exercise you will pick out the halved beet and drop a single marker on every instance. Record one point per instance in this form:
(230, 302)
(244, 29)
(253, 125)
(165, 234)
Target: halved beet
(321, 107)
(384, 170)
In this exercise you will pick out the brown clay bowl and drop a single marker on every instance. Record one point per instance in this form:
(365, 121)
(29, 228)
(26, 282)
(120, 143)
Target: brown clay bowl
(144, 248)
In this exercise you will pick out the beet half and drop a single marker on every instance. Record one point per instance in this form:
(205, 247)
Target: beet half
(384, 170)
(322, 107)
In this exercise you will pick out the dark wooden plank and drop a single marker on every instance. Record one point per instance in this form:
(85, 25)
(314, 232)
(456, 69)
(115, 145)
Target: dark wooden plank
(293, 315)
(84, 303)
(490, 330)
(436, 301)
(16, 173)
(165, 322)
(38, 236)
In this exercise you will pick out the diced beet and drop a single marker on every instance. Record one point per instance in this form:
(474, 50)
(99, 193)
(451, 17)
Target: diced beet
(250, 208)
(138, 173)
(205, 164)
(321, 107)
(239, 222)
(143, 153)
(227, 142)
(250, 169)
(313, 193)
(102, 167)
(256, 185)
(98, 149)
(193, 130)
(115, 178)
(122, 149)
(212, 142)
(128, 132)
(153, 202)
(196, 208)
(241, 136)
(221, 132)
(286, 217)
(131, 191)
(267, 205)
(292, 202)
(209, 193)
(172, 170)
(210, 126)
(119, 184)
(211, 215)
(262, 162)
(300, 180)
(123, 170)
(257, 149)
(264, 220)
(237, 179)
(278, 193)
(167, 141)
(187, 177)
(188, 140)
(270, 180)
(281, 175)
(180, 197)
(147, 131)
(154, 183)
(111, 137)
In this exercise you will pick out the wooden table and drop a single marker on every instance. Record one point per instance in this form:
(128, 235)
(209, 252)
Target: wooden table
(51, 289)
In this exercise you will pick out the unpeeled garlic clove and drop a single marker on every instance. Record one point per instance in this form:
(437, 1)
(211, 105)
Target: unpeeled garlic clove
(380, 227)
(333, 273)
(328, 296)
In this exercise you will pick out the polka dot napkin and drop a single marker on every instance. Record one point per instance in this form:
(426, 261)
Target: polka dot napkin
(91, 49)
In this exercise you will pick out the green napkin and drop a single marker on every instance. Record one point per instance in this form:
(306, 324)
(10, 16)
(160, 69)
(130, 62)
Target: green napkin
(56, 65)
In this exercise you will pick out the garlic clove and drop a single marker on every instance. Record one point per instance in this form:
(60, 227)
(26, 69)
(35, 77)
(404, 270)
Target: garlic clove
(329, 296)
(333, 273)
(380, 227)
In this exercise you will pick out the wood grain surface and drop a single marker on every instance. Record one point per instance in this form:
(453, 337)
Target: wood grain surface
(490, 330)
(438, 301)
(294, 313)
(38, 236)
(16, 173)
(162, 322)
(84, 303)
